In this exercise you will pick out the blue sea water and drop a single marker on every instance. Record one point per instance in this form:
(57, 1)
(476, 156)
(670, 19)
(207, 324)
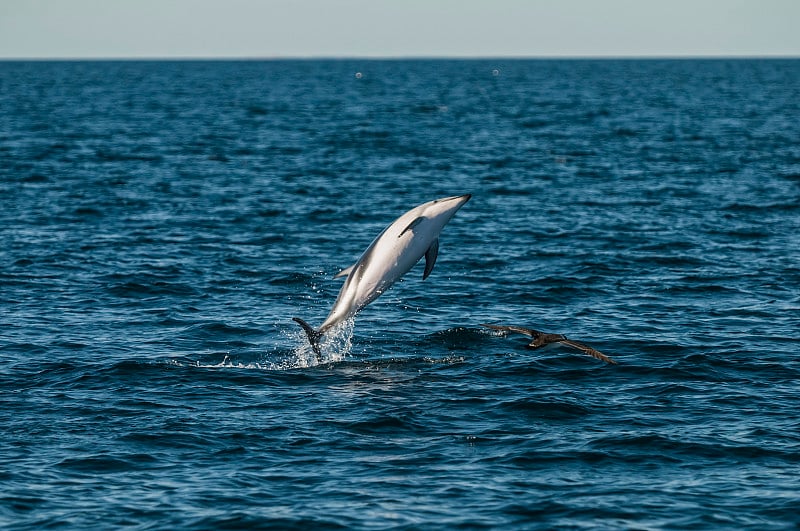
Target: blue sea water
(161, 222)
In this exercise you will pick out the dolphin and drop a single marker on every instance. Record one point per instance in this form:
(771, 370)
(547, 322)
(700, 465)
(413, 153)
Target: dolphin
(390, 256)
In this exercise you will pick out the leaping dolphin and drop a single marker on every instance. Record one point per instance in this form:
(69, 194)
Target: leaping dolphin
(390, 256)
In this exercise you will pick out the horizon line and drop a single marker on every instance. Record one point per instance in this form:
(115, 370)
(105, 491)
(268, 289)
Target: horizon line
(399, 57)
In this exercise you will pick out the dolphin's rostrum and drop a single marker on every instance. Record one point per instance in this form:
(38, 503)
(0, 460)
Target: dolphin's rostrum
(542, 339)
(390, 256)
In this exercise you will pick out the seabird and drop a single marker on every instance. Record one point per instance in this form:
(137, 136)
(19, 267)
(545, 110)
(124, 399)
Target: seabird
(541, 339)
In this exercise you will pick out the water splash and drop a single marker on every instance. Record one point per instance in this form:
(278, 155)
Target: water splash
(335, 345)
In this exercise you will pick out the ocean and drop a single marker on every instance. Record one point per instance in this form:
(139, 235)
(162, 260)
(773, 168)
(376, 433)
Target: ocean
(161, 222)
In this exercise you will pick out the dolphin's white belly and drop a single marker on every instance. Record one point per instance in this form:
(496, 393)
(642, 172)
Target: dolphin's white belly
(377, 270)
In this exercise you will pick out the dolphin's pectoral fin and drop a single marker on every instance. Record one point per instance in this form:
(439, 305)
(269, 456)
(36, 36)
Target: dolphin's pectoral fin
(313, 336)
(344, 272)
(411, 225)
(430, 258)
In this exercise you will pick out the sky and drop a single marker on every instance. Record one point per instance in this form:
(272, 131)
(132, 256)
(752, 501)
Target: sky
(397, 28)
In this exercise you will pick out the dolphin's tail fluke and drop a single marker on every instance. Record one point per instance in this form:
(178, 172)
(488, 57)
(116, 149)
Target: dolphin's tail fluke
(313, 336)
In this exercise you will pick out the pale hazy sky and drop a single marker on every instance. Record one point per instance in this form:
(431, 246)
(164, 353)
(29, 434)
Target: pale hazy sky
(378, 28)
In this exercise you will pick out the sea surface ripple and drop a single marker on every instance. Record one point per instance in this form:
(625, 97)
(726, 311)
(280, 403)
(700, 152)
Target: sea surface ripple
(162, 222)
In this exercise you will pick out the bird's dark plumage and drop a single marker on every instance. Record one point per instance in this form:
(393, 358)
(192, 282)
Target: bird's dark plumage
(541, 339)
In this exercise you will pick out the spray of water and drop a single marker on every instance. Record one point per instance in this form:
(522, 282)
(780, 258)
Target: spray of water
(335, 345)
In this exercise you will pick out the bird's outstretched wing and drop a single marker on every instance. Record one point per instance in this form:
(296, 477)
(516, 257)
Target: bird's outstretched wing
(586, 349)
(518, 329)
(548, 338)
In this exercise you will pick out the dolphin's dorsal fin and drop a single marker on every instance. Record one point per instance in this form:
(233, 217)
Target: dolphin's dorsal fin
(411, 225)
(344, 272)
(430, 258)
